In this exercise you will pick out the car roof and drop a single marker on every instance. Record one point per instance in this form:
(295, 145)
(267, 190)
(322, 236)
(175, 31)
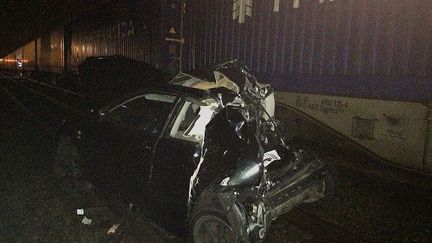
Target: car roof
(183, 90)
(103, 102)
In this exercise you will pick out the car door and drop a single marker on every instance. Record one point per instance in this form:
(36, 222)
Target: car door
(176, 157)
(125, 138)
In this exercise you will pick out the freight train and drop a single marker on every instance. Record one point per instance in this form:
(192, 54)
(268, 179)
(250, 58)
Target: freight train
(119, 28)
(363, 68)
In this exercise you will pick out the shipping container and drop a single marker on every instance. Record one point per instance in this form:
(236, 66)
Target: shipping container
(338, 47)
(51, 51)
(29, 58)
(122, 28)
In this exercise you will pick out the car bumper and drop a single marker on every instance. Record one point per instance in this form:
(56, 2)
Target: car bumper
(291, 194)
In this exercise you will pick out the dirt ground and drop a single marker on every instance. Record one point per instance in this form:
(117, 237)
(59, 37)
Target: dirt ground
(373, 203)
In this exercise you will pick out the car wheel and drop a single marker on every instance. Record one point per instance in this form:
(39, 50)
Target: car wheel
(213, 228)
(66, 170)
(211, 222)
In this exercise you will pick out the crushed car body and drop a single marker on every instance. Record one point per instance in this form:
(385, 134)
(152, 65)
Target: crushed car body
(243, 150)
(203, 152)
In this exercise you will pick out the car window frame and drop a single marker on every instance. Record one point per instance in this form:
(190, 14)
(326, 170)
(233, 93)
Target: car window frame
(183, 98)
(104, 114)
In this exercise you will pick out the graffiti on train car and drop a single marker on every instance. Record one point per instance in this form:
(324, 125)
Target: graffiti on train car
(121, 29)
(326, 106)
(394, 127)
(395, 133)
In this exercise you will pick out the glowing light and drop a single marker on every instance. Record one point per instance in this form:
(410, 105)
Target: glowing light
(13, 60)
(9, 60)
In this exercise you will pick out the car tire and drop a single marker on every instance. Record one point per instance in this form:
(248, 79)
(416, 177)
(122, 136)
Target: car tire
(210, 223)
(65, 168)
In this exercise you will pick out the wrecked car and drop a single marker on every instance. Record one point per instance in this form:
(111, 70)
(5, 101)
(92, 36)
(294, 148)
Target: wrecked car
(203, 153)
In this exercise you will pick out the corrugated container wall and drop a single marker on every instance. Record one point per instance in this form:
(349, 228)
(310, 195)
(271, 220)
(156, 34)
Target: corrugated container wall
(29, 61)
(116, 38)
(51, 51)
(314, 36)
(126, 29)
(279, 38)
(38, 52)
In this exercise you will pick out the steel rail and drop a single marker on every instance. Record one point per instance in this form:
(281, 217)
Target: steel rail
(55, 101)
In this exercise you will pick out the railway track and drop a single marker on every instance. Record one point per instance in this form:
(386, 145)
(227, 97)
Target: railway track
(9, 86)
(33, 97)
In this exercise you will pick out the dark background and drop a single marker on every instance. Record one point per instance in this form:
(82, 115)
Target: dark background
(22, 21)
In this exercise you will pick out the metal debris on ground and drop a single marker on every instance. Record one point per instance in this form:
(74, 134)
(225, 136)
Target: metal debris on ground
(86, 221)
(113, 229)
